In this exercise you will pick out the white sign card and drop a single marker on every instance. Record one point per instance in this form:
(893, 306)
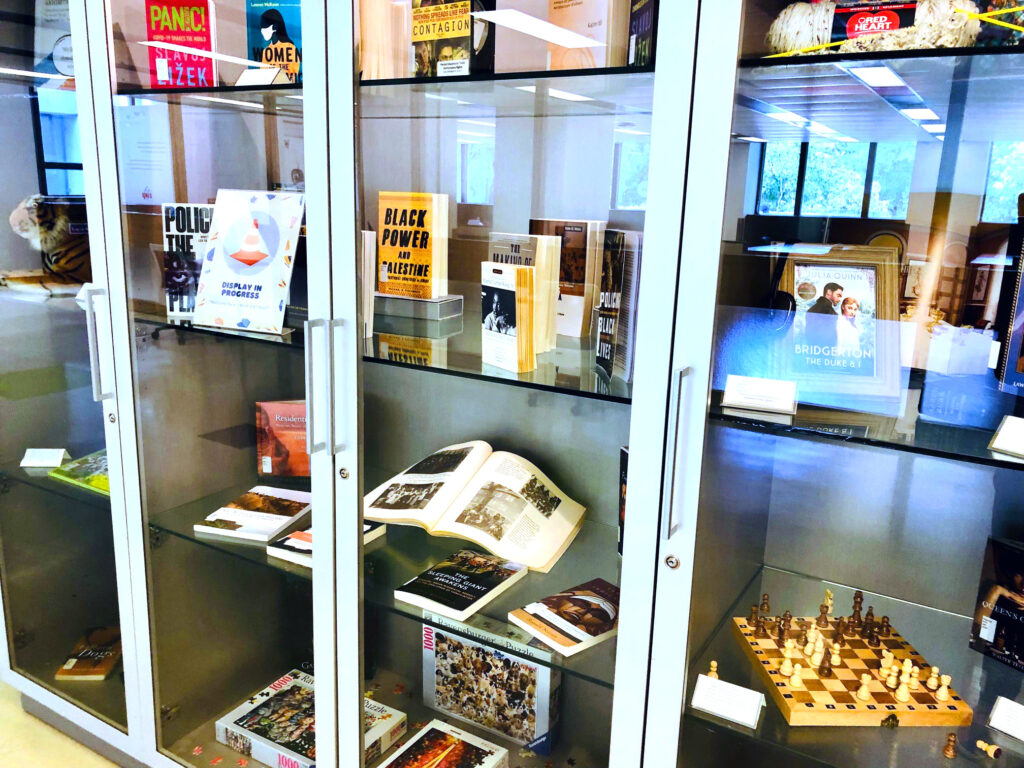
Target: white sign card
(755, 394)
(45, 457)
(730, 702)
(1008, 716)
(1009, 438)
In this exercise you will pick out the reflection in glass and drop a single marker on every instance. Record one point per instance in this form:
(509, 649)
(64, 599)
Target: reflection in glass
(778, 179)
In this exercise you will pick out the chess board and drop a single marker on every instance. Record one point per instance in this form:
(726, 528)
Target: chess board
(833, 701)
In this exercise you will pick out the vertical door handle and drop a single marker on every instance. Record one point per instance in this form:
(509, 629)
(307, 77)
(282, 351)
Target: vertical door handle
(93, 344)
(307, 336)
(336, 447)
(672, 522)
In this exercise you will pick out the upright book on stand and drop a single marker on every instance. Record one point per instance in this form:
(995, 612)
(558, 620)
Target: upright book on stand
(543, 253)
(412, 247)
(182, 24)
(579, 271)
(605, 21)
(617, 244)
(507, 309)
(448, 41)
(281, 438)
(186, 234)
(275, 35)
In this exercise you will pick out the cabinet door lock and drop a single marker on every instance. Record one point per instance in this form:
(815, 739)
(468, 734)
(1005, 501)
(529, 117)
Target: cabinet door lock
(672, 562)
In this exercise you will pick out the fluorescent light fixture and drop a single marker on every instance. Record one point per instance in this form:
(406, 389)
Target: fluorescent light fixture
(935, 128)
(920, 114)
(207, 54)
(555, 93)
(788, 117)
(877, 77)
(484, 123)
(472, 133)
(632, 132)
(794, 248)
(230, 102)
(437, 97)
(534, 27)
(752, 139)
(28, 73)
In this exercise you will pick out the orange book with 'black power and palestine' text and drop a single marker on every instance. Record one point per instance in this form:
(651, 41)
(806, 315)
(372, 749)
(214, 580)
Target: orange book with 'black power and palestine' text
(412, 245)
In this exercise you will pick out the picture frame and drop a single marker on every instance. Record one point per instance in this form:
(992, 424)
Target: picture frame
(844, 342)
(978, 283)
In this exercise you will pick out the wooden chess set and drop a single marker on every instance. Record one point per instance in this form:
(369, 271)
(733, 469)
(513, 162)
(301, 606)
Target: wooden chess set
(858, 672)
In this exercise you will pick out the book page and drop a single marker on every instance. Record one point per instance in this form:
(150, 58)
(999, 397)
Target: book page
(511, 508)
(420, 494)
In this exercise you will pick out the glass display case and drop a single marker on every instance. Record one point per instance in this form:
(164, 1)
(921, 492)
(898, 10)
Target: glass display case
(62, 551)
(854, 198)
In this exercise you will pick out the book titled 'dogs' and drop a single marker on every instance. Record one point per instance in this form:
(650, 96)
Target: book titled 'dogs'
(258, 515)
(440, 745)
(412, 249)
(461, 584)
(94, 656)
(276, 725)
(573, 620)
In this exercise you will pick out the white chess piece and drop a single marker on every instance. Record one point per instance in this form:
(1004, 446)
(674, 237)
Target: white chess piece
(903, 692)
(943, 693)
(795, 681)
(933, 679)
(835, 660)
(864, 692)
(887, 659)
(786, 668)
(915, 679)
(819, 652)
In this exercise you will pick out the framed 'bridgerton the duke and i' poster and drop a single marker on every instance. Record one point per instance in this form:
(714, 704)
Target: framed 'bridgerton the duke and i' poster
(844, 337)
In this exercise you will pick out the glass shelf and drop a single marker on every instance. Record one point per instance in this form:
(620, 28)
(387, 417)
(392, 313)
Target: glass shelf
(157, 324)
(941, 637)
(488, 77)
(40, 480)
(242, 92)
(102, 698)
(767, 60)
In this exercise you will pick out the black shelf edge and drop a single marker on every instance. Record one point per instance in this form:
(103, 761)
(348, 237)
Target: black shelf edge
(749, 62)
(224, 90)
(499, 380)
(484, 77)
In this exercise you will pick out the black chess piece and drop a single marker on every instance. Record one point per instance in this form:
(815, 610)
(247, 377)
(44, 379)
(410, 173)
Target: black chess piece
(803, 633)
(781, 628)
(872, 637)
(885, 629)
(753, 615)
(950, 749)
(825, 668)
(840, 637)
(759, 628)
(869, 626)
(787, 617)
(856, 622)
(823, 616)
(766, 607)
(870, 615)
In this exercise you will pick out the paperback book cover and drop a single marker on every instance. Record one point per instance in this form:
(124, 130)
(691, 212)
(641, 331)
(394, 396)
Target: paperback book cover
(998, 628)
(543, 254)
(462, 584)
(382, 728)
(185, 23)
(412, 250)
(186, 231)
(623, 475)
(89, 472)
(507, 695)
(448, 41)
(440, 745)
(275, 35)
(625, 327)
(260, 514)
(507, 333)
(249, 260)
(276, 725)
(610, 298)
(281, 438)
(605, 21)
(641, 33)
(94, 656)
(297, 546)
(574, 620)
(582, 243)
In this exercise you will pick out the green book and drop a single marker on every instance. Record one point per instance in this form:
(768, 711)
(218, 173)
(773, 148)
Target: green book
(89, 472)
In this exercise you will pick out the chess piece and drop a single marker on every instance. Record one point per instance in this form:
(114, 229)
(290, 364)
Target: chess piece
(823, 616)
(835, 660)
(791, 652)
(950, 749)
(760, 630)
(788, 618)
(781, 630)
(872, 638)
(870, 615)
(825, 666)
(943, 693)
(893, 680)
(766, 607)
(884, 629)
(786, 668)
(829, 600)
(713, 672)
(908, 666)
(809, 647)
(903, 692)
(915, 679)
(795, 681)
(819, 652)
(864, 692)
(989, 749)
(933, 679)
(840, 637)
(856, 622)
(887, 660)
(752, 619)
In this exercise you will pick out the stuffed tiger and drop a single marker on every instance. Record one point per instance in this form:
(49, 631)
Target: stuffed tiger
(46, 224)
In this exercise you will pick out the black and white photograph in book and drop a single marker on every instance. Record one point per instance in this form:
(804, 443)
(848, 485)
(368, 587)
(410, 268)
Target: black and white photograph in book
(538, 494)
(498, 306)
(440, 463)
(407, 495)
(493, 509)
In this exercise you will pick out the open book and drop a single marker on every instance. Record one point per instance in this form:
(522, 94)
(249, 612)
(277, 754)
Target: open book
(495, 499)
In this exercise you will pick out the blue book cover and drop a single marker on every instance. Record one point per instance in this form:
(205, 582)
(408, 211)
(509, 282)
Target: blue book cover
(275, 35)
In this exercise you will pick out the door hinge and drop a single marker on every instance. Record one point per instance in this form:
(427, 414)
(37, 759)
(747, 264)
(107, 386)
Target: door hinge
(169, 713)
(22, 638)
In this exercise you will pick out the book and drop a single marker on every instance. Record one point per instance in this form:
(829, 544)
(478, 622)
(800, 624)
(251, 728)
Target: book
(625, 326)
(574, 620)
(497, 500)
(281, 438)
(184, 23)
(511, 696)
(94, 656)
(998, 627)
(275, 35)
(249, 260)
(382, 728)
(186, 233)
(543, 253)
(89, 472)
(579, 271)
(260, 514)
(449, 41)
(610, 297)
(506, 300)
(641, 33)
(461, 584)
(440, 745)
(368, 280)
(297, 546)
(275, 725)
(623, 475)
(605, 21)
(412, 245)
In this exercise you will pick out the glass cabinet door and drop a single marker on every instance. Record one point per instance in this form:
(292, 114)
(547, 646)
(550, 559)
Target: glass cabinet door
(57, 525)
(848, 479)
(503, 209)
(205, 122)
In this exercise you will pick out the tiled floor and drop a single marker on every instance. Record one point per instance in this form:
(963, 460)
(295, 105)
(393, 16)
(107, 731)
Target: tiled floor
(24, 740)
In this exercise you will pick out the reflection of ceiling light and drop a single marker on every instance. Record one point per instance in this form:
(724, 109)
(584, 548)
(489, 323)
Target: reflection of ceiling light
(436, 97)
(477, 122)
(877, 77)
(464, 103)
(632, 132)
(534, 27)
(231, 102)
(207, 54)
(471, 133)
(920, 114)
(787, 117)
(751, 138)
(935, 128)
(796, 248)
(845, 138)
(294, 97)
(555, 93)
(27, 73)
(821, 130)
